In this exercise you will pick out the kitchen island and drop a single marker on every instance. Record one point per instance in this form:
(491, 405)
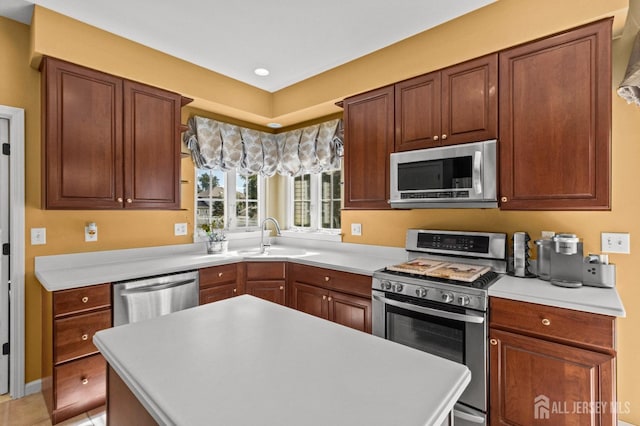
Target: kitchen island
(245, 361)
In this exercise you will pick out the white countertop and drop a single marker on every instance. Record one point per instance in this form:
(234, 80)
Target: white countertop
(61, 272)
(595, 300)
(245, 361)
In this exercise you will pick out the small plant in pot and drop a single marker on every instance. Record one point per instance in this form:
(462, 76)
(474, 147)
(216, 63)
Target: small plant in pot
(216, 236)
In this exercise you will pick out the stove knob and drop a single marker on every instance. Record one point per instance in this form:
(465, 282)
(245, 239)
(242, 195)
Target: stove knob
(385, 285)
(421, 292)
(397, 288)
(447, 297)
(463, 300)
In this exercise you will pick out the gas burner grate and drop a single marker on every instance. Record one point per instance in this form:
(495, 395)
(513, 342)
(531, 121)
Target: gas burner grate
(481, 283)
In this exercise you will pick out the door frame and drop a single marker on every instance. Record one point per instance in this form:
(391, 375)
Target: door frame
(17, 244)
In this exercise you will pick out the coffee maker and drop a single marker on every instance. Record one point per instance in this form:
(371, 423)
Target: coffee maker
(566, 261)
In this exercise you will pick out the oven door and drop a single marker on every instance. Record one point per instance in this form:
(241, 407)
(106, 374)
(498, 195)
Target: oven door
(450, 332)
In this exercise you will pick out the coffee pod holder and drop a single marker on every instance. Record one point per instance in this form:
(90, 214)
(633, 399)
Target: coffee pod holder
(598, 272)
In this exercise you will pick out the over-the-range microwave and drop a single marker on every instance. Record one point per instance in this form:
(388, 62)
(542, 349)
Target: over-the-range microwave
(456, 176)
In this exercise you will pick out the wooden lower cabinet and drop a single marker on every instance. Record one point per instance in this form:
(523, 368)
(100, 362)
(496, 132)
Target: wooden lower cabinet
(340, 297)
(266, 280)
(74, 372)
(220, 282)
(540, 374)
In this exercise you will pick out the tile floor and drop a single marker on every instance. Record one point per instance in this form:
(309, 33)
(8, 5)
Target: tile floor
(31, 411)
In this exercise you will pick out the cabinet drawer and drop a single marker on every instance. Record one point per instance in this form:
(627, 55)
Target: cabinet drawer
(218, 275)
(359, 285)
(265, 271)
(81, 299)
(73, 335)
(584, 329)
(81, 382)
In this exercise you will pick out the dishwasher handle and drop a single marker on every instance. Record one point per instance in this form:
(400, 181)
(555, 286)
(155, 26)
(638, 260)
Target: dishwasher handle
(155, 287)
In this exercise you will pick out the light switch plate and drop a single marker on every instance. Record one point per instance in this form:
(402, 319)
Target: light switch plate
(616, 242)
(38, 236)
(356, 229)
(180, 229)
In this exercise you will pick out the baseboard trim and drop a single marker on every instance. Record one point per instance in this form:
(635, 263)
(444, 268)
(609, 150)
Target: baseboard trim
(33, 387)
(621, 423)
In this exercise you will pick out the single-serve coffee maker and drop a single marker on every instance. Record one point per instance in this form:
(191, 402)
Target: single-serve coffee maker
(566, 261)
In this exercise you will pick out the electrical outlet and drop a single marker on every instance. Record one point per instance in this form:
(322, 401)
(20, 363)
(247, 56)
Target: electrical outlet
(616, 242)
(180, 229)
(38, 236)
(91, 232)
(547, 234)
(356, 229)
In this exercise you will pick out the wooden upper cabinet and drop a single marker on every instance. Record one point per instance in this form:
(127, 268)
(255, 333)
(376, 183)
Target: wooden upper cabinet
(152, 147)
(451, 106)
(82, 137)
(555, 121)
(418, 112)
(470, 101)
(108, 143)
(369, 140)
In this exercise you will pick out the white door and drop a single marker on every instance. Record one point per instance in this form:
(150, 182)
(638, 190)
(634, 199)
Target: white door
(4, 260)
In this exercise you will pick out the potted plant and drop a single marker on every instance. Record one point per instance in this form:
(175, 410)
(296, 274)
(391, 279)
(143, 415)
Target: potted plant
(216, 236)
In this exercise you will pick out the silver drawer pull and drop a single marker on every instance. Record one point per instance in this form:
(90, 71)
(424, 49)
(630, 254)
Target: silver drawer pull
(546, 322)
(85, 337)
(85, 380)
(85, 299)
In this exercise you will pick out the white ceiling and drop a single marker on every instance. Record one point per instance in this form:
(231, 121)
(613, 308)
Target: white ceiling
(294, 39)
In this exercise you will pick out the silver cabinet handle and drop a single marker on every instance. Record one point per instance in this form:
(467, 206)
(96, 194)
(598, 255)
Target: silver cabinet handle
(155, 287)
(429, 311)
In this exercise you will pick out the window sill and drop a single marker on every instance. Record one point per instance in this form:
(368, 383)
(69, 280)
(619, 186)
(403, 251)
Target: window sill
(313, 235)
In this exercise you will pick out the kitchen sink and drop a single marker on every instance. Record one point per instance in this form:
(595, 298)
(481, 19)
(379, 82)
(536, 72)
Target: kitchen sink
(273, 252)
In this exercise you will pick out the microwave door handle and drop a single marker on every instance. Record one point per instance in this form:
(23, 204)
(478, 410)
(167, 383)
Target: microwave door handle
(477, 169)
(155, 287)
(429, 311)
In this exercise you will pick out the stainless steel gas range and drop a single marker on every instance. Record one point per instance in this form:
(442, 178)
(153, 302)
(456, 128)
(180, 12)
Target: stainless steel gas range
(437, 302)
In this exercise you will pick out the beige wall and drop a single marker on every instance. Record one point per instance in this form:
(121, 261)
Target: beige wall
(502, 24)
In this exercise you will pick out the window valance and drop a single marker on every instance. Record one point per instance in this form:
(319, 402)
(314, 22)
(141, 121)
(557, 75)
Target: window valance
(629, 89)
(223, 146)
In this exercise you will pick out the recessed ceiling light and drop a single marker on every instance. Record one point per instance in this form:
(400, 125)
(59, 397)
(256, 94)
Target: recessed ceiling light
(274, 125)
(262, 72)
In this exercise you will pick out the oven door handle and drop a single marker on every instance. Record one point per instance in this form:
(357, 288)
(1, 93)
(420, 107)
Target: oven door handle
(468, 417)
(476, 319)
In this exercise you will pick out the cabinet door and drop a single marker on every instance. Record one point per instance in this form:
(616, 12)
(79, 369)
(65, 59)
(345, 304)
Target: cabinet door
(271, 290)
(352, 311)
(555, 122)
(369, 135)
(470, 101)
(220, 292)
(309, 299)
(417, 109)
(152, 147)
(82, 137)
(538, 382)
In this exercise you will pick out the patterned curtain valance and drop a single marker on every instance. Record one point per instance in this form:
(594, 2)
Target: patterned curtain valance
(629, 89)
(224, 146)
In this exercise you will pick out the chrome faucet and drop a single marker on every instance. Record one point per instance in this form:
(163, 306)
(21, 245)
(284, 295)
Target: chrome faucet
(264, 247)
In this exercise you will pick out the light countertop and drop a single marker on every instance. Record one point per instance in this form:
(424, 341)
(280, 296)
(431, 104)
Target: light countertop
(246, 361)
(61, 272)
(595, 300)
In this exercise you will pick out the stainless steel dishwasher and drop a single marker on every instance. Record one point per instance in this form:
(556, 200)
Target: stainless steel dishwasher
(141, 299)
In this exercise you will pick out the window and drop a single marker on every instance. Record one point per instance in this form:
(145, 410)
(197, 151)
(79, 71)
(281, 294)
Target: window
(315, 201)
(234, 198)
